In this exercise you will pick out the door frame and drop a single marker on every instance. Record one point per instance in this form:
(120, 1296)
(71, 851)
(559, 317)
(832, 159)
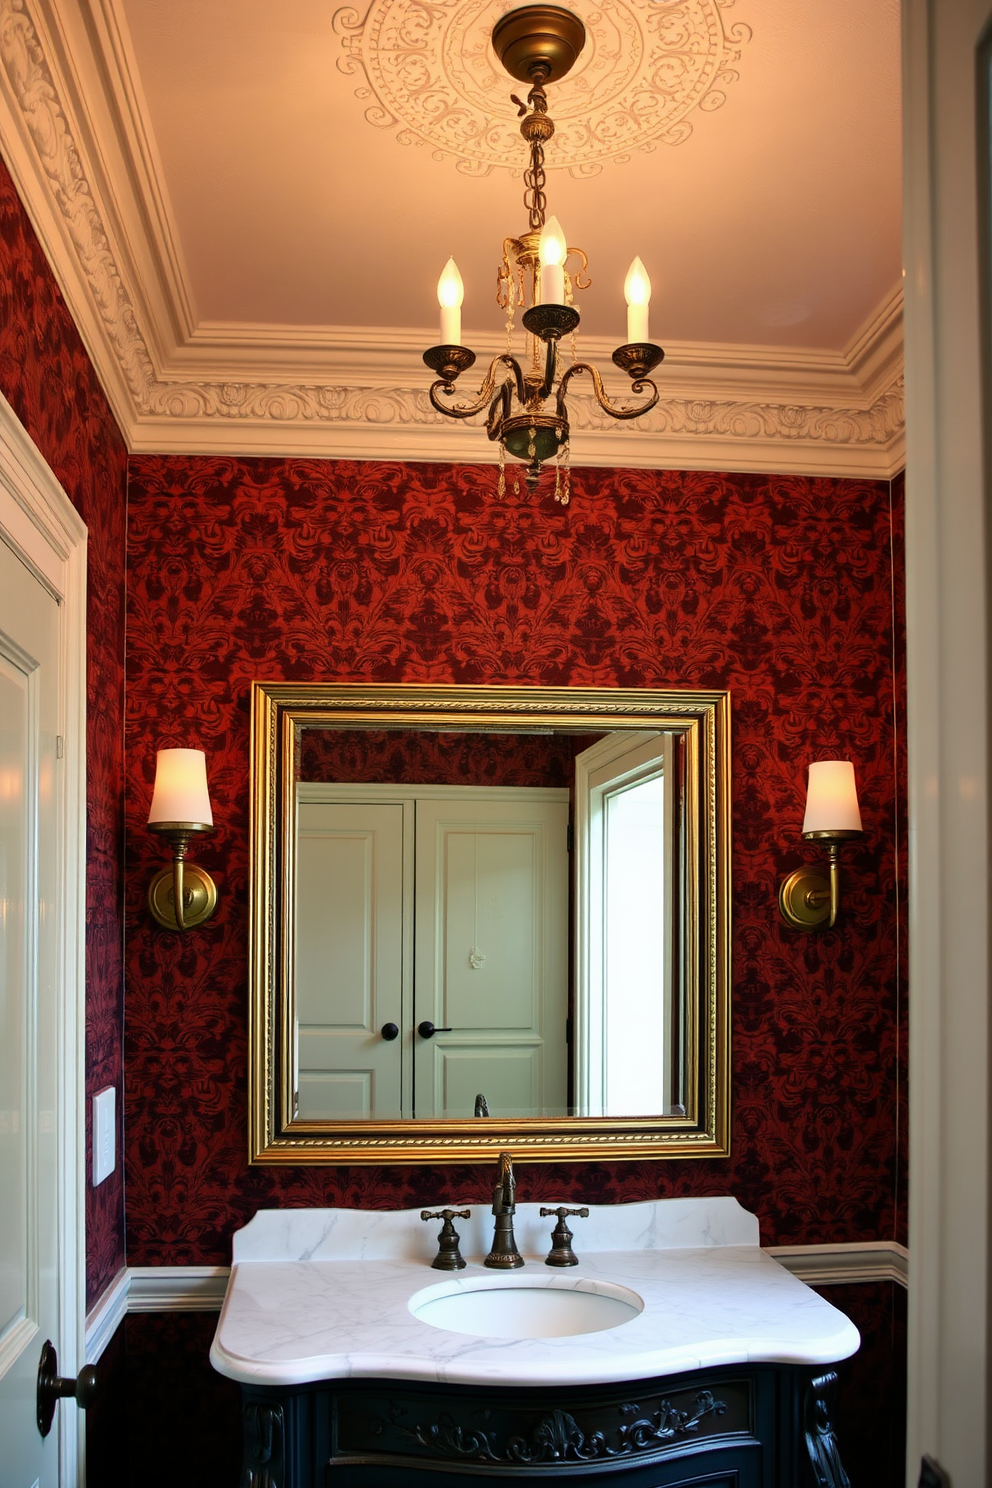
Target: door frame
(947, 586)
(39, 522)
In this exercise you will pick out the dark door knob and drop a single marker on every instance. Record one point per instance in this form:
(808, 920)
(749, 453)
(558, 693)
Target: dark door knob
(389, 1031)
(52, 1387)
(427, 1029)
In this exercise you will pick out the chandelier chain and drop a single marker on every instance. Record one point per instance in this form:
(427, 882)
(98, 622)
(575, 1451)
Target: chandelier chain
(536, 129)
(535, 199)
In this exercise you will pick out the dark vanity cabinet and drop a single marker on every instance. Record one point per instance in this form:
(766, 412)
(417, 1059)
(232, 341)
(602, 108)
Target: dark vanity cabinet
(752, 1426)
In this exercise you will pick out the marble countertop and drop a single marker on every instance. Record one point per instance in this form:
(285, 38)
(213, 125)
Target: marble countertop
(324, 1294)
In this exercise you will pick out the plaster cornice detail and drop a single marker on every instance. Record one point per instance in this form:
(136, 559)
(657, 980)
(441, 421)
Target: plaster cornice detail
(345, 392)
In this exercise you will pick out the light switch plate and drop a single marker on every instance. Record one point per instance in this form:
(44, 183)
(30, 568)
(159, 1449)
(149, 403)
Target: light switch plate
(104, 1134)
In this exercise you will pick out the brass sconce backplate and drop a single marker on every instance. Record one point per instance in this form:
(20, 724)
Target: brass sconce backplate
(199, 897)
(809, 899)
(804, 899)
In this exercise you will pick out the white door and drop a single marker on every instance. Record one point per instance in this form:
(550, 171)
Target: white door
(353, 1050)
(492, 953)
(29, 1219)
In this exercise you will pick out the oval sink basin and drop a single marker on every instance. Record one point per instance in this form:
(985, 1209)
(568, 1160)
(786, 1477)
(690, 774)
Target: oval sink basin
(524, 1307)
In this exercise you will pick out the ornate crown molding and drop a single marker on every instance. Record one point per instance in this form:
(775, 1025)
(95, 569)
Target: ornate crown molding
(83, 161)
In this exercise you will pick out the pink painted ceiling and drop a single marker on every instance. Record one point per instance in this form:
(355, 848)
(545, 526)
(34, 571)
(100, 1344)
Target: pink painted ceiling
(775, 221)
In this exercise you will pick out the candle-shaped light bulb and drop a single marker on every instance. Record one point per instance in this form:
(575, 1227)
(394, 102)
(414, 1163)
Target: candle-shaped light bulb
(553, 251)
(450, 293)
(637, 293)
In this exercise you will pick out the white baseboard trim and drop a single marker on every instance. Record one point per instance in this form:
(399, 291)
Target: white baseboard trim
(202, 1288)
(831, 1265)
(177, 1288)
(106, 1315)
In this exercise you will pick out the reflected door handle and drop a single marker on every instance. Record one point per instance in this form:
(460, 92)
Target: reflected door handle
(389, 1031)
(52, 1387)
(427, 1029)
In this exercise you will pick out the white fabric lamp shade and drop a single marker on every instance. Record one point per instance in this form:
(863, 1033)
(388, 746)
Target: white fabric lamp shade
(180, 793)
(832, 798)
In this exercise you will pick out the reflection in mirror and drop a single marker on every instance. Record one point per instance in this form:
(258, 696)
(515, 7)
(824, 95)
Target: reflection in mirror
(485, 917)
(435, 894)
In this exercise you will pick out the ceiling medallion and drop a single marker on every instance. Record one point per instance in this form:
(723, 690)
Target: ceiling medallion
(431, 72)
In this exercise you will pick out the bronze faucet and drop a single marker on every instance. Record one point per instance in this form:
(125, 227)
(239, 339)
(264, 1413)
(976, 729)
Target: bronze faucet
(504, 1255)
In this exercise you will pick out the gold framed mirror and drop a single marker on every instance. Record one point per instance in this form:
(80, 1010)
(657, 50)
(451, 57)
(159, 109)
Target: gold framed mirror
(487, 918)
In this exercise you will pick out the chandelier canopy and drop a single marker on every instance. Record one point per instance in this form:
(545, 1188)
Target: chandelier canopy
(527, 411)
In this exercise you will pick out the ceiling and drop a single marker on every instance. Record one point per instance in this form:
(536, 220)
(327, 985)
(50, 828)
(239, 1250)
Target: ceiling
(248, 205)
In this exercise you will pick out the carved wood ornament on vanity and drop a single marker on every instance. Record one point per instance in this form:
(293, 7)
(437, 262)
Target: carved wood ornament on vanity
(760, 1426)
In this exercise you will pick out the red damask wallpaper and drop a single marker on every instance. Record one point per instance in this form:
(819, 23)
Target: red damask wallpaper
(46, 375)
(406, 757)
(779, 588)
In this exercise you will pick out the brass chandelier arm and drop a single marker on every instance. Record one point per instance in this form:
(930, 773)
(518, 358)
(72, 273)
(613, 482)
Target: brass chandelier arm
(499, 410)
(618, 413)
(466, 410)
(580, 276)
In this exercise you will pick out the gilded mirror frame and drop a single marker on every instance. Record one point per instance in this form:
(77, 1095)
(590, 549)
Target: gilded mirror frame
(702, 718)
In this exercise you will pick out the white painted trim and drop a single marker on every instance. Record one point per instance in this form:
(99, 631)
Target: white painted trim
(39, 521)
(318, 792)
(947, 588)
(177, 1288)
(106, 1316)
(75, 136)
(378, 425)
(202, 1288)
(833, 1265)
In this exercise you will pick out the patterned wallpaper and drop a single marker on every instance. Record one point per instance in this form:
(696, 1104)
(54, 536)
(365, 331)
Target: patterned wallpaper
(779, 588)
(406, 757)
(46, 375)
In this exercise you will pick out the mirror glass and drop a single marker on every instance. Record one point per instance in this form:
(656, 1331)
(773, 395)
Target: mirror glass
(476, 928)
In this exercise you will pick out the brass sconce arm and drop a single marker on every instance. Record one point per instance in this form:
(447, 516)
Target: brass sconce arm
(193, 897)
(807, 899)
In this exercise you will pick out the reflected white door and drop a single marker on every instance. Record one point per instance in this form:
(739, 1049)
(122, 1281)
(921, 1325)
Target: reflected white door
(352, 884)
(29, 1220)
(492, 952)
(440, 904)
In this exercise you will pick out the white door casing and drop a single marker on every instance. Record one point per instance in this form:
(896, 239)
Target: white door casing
(948, 377)
(43, 551)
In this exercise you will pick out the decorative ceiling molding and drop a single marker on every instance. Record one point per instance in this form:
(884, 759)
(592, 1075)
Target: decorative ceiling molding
(84, 163)
(432, 75)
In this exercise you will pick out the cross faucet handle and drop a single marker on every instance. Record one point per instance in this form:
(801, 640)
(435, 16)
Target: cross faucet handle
(449, 1257)
(561, 1252)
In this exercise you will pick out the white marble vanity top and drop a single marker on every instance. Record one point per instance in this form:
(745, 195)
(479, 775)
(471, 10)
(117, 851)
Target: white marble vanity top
(323, 1294)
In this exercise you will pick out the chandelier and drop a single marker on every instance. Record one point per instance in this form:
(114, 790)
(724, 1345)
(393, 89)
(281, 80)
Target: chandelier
(527, 411)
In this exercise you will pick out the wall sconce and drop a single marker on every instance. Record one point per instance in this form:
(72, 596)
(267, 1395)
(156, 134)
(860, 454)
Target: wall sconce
(182, 896)
(808, 899)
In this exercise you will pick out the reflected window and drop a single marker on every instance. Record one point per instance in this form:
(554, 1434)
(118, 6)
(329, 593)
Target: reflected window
(626, 1056)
